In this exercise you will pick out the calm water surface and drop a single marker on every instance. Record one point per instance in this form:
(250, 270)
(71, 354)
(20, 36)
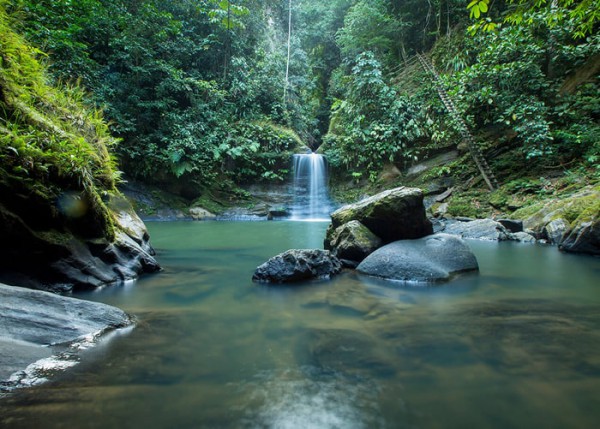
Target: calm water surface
(517, 346)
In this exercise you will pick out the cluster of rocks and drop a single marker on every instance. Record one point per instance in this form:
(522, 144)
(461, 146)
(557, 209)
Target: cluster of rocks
(487, 229)
(38, 329)
(571, 223)
(387, 235)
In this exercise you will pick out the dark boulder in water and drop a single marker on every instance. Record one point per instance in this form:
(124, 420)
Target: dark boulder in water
(396, 214)
(297, 265)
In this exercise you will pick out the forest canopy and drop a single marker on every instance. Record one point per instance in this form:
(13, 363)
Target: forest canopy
(196, 90)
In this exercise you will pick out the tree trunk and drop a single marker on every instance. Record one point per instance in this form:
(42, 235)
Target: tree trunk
(289, 44)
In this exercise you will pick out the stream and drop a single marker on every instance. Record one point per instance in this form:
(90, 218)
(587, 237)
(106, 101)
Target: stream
(516, 346)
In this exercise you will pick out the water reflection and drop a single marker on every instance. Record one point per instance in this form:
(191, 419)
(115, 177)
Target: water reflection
(310, 398)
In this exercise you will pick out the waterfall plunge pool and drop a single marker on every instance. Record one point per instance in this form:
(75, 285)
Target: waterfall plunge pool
(516, 346)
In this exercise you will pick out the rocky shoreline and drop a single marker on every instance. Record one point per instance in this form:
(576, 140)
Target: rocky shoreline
(406, 226)
(389, 235)
(42, 331)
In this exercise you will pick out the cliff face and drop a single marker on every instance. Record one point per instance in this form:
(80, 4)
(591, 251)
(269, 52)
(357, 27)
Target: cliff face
(63, 224)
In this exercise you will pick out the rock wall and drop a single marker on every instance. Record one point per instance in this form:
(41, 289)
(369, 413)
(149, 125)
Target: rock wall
(49, 248)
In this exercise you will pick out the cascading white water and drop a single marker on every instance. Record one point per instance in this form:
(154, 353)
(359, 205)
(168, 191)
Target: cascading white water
(311, 197)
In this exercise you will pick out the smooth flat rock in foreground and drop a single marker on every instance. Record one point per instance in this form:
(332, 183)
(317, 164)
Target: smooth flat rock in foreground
(32, 321)
(434, 258)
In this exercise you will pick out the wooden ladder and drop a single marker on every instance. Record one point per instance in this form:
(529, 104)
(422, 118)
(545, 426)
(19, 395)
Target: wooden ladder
(482, 165)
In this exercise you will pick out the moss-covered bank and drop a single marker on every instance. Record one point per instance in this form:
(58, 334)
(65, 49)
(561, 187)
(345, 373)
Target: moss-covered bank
(57, 182)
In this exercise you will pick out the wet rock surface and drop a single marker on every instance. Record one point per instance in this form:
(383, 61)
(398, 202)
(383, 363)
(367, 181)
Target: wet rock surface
(296, 265)
(479, 229)
(352, 242)
(584, 237)
(47, 254)
(33, 322)
(522, 237)
(430, 259)
(391, 215)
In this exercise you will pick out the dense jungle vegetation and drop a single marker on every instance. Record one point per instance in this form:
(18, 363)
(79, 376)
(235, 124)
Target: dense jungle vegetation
(207, 94)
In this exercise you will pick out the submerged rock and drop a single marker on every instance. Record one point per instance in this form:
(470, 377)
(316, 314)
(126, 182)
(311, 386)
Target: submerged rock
(430, 259)
(348, 351)
(352, 242)
(392, 215)
(297, 265)
(479, 229)
(31, 321)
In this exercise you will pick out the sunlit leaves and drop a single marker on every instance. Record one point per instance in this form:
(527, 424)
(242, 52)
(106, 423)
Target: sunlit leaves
(478, 7)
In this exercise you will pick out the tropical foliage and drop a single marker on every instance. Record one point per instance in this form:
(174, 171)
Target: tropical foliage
(52, 143)
(195, 89)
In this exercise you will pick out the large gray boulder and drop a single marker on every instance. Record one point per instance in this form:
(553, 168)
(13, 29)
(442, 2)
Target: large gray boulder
(352, 242)
(297, 265)
(396, 214)
(555, 230)
(34, 324)
(479, 229)
(434, 258)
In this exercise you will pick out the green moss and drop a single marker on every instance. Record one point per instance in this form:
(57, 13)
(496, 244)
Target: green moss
(581, 207)
(50, 141)
(55, 237)
(470, 204)
(210, 204)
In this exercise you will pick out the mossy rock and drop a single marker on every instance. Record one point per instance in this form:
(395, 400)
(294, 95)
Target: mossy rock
(580, 211)
(352, 242)
(392, 215)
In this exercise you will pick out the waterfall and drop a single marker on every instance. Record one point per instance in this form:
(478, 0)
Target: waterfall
(311, 198)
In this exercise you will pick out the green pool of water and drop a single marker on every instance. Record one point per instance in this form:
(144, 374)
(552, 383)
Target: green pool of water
(517, 346)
